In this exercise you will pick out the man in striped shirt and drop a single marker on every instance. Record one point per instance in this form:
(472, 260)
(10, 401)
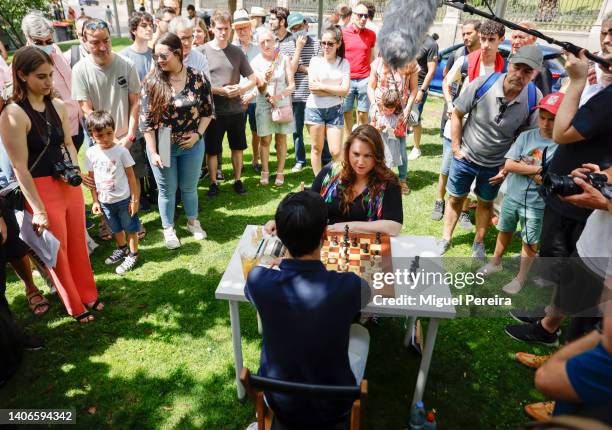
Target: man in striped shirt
(306, 47)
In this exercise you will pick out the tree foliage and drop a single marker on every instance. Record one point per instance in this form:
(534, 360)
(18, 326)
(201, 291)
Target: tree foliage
(13, 11)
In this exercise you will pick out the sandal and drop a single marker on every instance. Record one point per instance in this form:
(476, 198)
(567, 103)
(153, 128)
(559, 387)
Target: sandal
(84, 318)
(265, 178)
(280, 179)
(405, 188)
(142, 232)
(96, 306)
(104, 232)
(34, 306)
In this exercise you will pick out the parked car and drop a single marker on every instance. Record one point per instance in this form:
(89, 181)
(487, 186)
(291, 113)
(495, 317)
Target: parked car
(89, 2)
(551, 55)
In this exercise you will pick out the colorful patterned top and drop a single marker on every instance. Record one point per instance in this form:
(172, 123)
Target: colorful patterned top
(386, 205)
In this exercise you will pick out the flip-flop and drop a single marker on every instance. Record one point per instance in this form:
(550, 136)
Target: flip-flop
(85, 318)
(42, 302)
(96, 305)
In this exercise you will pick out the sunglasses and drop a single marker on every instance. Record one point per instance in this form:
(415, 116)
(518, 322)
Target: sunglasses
(163, 57)
(39, 42)
(96, 25)
(502, 110)
(325, 43)
(362, 15)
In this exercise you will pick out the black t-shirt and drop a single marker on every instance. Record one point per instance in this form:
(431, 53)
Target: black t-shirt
(594, 122)
(427, 53)
(358, 211)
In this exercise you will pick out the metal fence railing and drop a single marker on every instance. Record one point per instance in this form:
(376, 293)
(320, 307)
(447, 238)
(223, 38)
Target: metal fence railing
(569, 15)
(311, 6)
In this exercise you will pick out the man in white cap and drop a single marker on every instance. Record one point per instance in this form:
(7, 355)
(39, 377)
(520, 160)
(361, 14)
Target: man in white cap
(258, 14)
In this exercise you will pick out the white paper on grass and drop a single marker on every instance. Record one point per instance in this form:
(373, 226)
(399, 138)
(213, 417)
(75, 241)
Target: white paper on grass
(164, 140)
(45, 246)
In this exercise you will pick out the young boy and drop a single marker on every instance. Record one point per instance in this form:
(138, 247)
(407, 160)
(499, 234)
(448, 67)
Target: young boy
(522, 203)
(117, 192)
(306, 312)
(385, 120)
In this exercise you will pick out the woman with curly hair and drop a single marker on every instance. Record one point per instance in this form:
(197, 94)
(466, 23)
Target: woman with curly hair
(360, 191)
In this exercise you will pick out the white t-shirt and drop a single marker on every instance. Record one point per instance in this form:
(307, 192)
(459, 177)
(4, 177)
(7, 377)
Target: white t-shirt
(327, 73)
(108, 167)
(594, 245)
(454, 75)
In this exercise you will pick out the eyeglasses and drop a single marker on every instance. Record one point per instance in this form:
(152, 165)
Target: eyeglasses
(45, 42)
(362, 15)
(325, 43)
(186, 38)
(164, 57)
(502, 109)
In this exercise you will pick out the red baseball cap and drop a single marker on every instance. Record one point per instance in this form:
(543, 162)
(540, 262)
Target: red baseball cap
(551, 102)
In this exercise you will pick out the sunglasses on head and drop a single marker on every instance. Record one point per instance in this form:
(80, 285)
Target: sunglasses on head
(96, 25)
(502, 110)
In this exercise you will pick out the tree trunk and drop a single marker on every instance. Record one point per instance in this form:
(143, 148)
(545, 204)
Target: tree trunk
(130, 7)
(232, 6)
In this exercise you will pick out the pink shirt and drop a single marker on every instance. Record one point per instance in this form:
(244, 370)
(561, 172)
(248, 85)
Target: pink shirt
(358, 45)
(62, 83)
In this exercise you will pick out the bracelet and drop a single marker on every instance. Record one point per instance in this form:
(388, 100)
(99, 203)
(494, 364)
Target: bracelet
(200, 135)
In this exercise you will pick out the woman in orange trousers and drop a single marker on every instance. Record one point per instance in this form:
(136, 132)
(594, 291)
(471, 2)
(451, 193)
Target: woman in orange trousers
(36, 133)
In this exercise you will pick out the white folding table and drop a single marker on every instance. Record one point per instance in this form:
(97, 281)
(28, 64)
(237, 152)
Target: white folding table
(231, 288)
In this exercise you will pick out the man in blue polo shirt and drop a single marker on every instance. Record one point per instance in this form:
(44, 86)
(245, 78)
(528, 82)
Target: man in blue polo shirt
(306, 313)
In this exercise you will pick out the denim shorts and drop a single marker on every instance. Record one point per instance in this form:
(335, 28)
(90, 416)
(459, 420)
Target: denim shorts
(332, 117)
(119, 219)
(447, 156)
(513, 212)
(250, 115)
(358, 90)
(461, 175)
(419, 106)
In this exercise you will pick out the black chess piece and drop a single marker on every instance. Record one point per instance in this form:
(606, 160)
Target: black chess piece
(335, 240)
(346, 233)
(366, 248)
(355, 244)
(378, 236)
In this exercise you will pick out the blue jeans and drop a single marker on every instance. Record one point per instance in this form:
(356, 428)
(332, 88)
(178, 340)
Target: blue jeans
(447, 156)
(298, 135)
(183, 174)
(462, 174)
(403, 168)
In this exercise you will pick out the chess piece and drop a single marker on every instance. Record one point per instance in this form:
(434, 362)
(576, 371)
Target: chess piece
(335, 240)
(355, 244)
(346, 232)
(378, 238)
(366, 248)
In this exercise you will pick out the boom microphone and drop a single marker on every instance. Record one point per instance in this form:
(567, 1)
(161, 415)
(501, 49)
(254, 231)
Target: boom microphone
(404, 27)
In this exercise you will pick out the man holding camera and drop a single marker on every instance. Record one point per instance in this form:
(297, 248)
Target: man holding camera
(583, 135)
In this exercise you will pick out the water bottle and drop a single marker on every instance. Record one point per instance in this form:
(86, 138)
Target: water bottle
(417, 416)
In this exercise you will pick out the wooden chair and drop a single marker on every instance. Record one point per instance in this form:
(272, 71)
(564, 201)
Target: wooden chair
(256, 385)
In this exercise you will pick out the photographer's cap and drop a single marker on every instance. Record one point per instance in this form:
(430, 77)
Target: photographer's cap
(551, 102)
(528, 54)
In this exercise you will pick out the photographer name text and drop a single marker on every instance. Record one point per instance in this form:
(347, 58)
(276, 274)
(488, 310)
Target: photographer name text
(440, 302)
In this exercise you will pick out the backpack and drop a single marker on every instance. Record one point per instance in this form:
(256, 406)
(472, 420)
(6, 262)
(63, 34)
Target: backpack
(532, 95)
(464, 74)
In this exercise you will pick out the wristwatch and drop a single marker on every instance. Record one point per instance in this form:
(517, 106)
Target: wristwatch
(200, 135)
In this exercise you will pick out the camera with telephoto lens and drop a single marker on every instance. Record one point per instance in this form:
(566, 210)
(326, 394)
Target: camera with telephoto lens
(565, 185)
(68, 172)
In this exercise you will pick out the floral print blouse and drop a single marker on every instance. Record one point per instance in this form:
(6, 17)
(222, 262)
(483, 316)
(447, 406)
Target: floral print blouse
(185, 109)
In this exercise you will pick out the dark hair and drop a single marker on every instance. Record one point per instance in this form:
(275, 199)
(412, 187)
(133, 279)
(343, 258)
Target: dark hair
(474, 23)
(378, 176)
(390, 98)
(336, 31)
(371, 8)
(344, 11)
(281, 13)
(26, 60)
(99, 120)
(191, 7)
(135, 20)
(164, 10)
(157, 83)
(490, 28)
(301, 219)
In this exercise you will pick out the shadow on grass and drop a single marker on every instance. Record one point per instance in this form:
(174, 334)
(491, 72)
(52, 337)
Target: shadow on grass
(419, 179)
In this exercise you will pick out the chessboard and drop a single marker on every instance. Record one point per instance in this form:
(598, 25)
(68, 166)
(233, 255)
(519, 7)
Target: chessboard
(361, 253)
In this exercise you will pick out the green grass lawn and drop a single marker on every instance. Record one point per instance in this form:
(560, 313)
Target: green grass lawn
(160, 354)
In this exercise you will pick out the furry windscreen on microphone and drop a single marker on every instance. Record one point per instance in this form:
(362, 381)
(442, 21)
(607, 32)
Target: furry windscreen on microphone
(404, 27)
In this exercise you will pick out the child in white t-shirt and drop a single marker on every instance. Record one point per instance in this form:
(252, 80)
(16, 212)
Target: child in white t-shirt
(385, 120)
(117, 194)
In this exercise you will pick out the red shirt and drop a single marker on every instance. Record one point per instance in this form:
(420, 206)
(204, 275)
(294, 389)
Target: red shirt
(358, 45)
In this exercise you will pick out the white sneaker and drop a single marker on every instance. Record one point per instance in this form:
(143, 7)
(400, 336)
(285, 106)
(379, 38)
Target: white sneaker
(252, 426)
(513, 287)
(490, 268)
(196, 230)
(414, 154)
(170, 239)
(297, 168)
